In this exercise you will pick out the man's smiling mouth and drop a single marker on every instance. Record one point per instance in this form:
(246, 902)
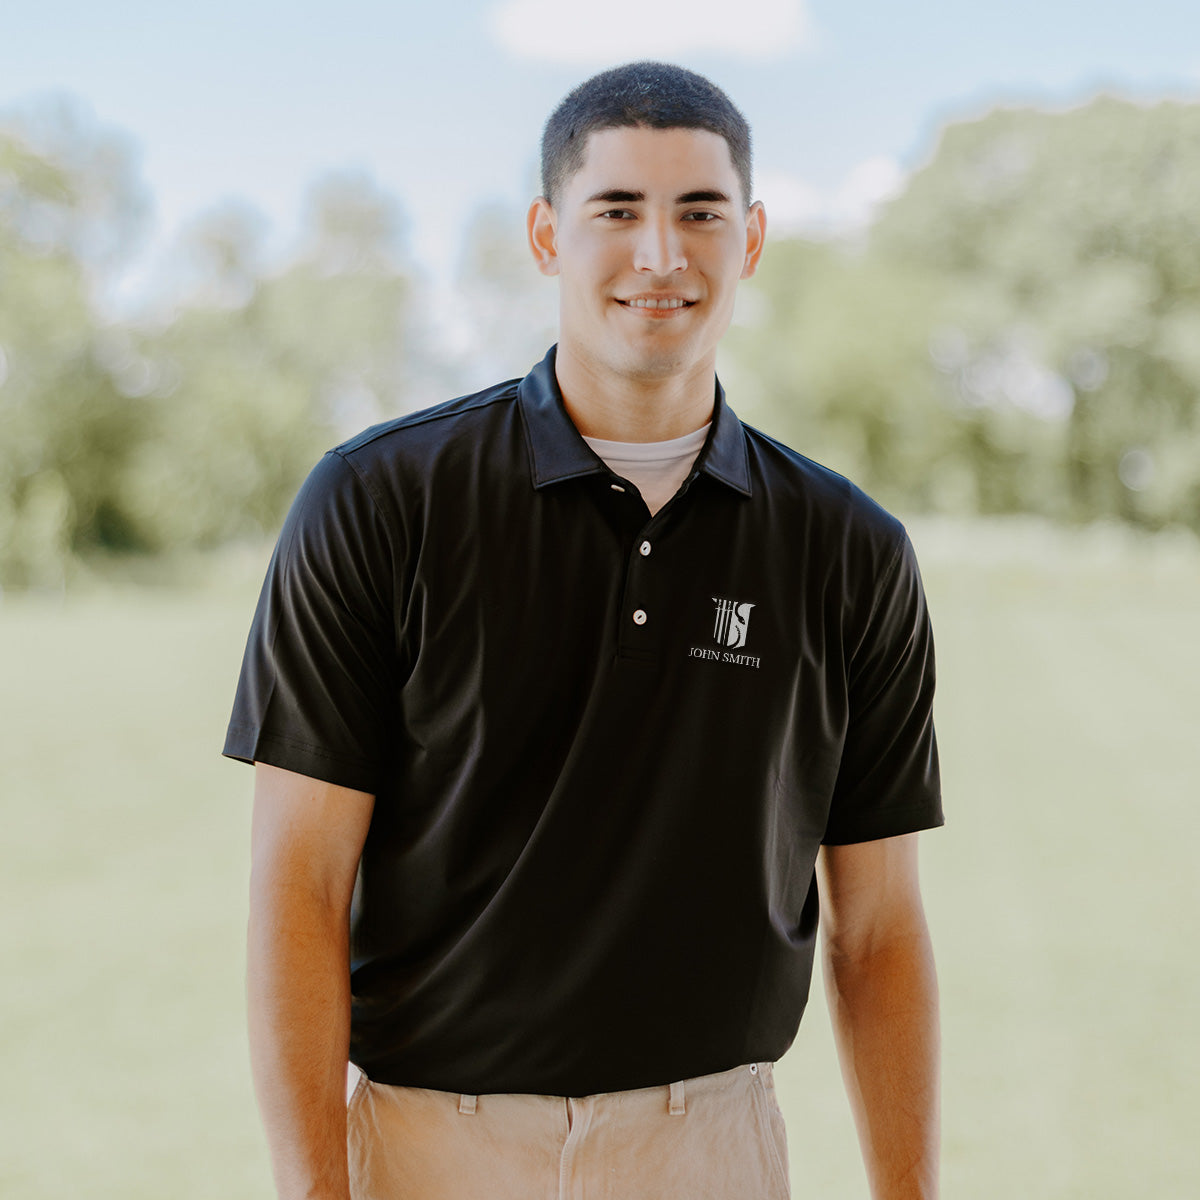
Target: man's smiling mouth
(644, 302)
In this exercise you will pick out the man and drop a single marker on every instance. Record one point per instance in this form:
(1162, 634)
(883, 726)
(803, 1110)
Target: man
(563, 695)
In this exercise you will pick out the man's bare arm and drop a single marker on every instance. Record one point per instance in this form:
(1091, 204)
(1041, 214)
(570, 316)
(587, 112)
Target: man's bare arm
(882, 992)
(306, 840)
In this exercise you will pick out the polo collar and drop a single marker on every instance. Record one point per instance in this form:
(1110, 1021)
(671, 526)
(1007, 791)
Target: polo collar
(558, 452)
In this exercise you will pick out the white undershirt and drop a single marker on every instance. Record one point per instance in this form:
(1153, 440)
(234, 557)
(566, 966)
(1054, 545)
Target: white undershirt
(656, 469)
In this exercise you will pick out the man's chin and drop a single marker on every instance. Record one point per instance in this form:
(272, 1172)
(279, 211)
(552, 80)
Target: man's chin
(656, 363)
(643, 360)
(657, 368)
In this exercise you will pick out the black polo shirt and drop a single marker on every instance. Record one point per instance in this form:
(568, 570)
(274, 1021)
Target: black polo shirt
(605, 746)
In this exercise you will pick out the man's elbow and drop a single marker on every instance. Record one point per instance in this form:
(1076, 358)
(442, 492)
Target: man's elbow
(899, 939)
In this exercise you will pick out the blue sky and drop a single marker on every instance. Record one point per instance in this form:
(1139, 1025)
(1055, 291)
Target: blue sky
(443, 103)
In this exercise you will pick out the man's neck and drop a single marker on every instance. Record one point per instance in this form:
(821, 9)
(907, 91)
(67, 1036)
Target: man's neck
(634, 410)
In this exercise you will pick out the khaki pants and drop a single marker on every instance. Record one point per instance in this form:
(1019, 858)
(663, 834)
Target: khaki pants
(718, 1137)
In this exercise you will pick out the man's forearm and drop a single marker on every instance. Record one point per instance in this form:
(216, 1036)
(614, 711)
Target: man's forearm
(298, 993)
(884, 1009)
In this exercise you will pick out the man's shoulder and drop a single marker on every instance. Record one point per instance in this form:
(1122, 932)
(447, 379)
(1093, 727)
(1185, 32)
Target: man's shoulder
(447, 447)
(467, 415)
(818, 492)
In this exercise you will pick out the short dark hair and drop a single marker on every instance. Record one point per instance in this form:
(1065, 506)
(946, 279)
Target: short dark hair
(654, 95)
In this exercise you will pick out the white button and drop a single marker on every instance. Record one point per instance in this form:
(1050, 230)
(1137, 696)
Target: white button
(644, 548)
(639, 617)
(754, 1068)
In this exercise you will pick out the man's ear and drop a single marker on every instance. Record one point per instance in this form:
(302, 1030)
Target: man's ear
(756, 236)
(540, 225)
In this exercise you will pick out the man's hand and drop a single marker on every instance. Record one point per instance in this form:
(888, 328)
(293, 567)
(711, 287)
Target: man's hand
(882, 992)
(306, 840)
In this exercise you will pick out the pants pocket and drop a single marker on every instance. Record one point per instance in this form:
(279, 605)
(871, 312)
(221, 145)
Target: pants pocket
(772, 1127)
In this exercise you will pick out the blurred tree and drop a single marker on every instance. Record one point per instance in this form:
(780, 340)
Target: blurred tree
(71, 186)
(262, 372)
(1020, 333)
(71, 392)
(198, 425)
(829, 354)
(1069, 336)
(505, 312)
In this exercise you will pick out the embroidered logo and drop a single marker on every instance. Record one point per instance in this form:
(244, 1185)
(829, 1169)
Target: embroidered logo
(732, 624)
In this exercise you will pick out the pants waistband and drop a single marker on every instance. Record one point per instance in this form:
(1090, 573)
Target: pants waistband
(676, 1097)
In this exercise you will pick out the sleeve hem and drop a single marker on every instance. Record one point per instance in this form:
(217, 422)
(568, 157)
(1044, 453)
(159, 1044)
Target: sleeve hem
(248, 745)
(893, 824)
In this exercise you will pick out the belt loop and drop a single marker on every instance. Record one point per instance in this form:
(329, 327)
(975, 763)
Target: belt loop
(678, 1104)
(466, 1104)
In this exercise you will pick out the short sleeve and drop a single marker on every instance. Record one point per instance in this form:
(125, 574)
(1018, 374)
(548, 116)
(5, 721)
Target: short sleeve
(316, 686)
(888, 782)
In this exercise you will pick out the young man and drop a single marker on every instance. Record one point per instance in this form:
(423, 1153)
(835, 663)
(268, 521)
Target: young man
(564, 696)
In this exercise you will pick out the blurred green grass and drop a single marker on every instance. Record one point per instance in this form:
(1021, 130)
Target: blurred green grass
(1063, 893)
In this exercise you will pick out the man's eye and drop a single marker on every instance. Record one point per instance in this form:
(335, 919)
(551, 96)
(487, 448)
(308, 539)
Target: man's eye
(701, 216)
(618, 214)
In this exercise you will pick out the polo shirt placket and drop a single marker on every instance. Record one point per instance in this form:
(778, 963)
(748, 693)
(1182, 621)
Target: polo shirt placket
(558, 453)
(644, 612)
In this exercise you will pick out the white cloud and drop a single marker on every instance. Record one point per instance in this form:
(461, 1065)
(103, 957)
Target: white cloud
(587, 33)
(872, 183)
(794, 206)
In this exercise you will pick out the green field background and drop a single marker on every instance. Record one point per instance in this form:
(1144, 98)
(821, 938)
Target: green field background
(1063, 892)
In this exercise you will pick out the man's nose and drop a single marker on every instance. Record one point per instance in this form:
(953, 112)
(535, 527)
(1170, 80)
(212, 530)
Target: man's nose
(659, 249)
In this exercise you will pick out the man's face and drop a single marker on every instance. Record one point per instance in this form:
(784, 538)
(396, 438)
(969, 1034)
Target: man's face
(649, 239)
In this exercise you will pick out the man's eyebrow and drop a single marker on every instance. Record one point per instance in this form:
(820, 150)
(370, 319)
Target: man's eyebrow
(620, 196)
(616, 196)
(704, 197)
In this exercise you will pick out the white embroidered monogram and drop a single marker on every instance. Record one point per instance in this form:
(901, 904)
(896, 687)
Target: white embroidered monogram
(731, 627)
(733, 622)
